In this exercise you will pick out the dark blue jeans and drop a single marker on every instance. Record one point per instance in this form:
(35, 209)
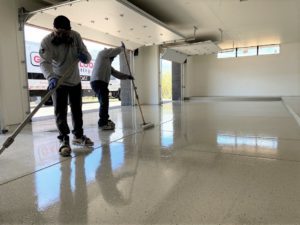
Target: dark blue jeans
(61, 97)
(102, 92)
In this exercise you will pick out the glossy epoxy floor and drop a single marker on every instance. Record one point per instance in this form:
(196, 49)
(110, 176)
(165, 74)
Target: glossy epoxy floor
(213, 162)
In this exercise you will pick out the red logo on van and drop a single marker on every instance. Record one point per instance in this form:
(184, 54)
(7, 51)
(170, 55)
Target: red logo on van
(84, 69)
(35, 59)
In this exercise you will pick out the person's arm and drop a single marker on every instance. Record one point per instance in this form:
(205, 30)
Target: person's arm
(113, 52)
(119, 75)
(46, 54)
(83, 54)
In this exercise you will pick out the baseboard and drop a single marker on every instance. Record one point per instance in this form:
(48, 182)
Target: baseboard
(235, 98)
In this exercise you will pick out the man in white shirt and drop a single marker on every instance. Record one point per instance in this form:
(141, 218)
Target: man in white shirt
(99, 82)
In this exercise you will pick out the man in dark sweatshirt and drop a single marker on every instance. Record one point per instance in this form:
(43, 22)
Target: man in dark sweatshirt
(60, 53)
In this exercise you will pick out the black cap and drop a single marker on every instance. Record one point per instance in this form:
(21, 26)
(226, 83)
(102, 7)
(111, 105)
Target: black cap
(62, 22)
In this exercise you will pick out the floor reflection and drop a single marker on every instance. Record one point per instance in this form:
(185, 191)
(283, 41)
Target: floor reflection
(73, 192)
(167, 139)
(109, 179)
(47, 186)
(61, 182)
(248, 143)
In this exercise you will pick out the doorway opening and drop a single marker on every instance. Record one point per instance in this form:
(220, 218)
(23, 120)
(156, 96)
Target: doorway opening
(166, 80)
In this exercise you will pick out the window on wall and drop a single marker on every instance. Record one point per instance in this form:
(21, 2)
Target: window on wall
(268, 49)
(229, 53)
(249, 51)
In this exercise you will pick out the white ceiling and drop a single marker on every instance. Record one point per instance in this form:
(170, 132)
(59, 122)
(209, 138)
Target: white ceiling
(227, 23)
(109, 21)
(244, 23)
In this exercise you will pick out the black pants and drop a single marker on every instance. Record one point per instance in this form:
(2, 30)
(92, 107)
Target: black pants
(61, 97)
(102, 92)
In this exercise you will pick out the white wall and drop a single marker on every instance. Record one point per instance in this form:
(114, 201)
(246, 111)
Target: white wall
(14, 99)
(269, 75)
(146, 73)
(14, 104)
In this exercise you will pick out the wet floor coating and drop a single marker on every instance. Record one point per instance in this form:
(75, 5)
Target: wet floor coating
(203, 163)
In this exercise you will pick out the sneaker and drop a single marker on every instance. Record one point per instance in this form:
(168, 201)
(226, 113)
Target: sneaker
(108, 126)
(65, 149)
(111, 123)
(82, 141)
(101, 124)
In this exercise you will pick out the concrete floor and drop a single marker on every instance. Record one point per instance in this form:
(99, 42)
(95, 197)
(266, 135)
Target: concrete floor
(204, 162)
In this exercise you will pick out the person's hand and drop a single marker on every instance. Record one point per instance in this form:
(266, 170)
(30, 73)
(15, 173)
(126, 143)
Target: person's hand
(52, 83)
(123, 45)
(130, 77)
(82, 57)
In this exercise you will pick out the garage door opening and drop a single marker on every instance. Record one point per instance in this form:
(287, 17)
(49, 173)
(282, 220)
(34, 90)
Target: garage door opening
(37, 84)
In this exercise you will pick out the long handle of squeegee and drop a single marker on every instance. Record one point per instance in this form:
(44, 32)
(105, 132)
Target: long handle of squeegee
(134, 87)
(11, 138)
